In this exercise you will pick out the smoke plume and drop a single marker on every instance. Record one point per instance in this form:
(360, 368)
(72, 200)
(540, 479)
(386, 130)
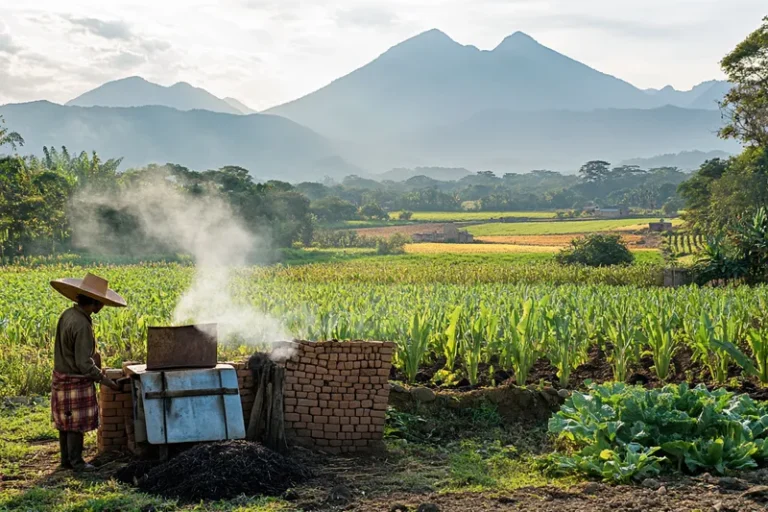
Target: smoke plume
(203, 226)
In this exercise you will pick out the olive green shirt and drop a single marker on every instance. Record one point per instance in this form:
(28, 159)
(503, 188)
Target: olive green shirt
(75, 345)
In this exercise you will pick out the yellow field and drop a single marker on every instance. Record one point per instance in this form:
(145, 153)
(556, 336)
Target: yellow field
(545, 240)
(437, 248)
(638, 227)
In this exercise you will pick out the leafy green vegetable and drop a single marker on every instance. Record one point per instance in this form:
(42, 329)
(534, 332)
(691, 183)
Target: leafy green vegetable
(619, 432)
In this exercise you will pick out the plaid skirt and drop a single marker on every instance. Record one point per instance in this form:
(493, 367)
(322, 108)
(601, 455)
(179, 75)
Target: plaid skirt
(73, 403)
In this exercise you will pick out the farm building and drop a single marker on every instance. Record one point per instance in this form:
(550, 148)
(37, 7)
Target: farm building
(662, 225)
(610, 212)
(450, 234)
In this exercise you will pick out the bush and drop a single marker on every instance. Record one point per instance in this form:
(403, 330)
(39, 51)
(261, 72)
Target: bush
(596, 251)
(395, 244)
(405, 215)
(373, 211)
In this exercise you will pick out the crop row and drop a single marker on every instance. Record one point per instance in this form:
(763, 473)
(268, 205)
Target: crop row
(509, 325)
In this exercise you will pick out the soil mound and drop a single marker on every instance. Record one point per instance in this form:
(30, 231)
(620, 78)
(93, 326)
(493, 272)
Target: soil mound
(216, 471)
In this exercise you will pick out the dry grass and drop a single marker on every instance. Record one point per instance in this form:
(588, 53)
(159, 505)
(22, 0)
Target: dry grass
(410, 229)
(546, 240)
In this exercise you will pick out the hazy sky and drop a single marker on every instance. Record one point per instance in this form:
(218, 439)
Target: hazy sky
(265, 52)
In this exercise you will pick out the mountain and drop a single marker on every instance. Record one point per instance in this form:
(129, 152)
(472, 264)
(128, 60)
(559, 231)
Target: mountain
(703, 96)
(269, 146)
(685, 160)
(137, 92)
(435, 173)
(558, 140)
(240, 106)
(431, 80)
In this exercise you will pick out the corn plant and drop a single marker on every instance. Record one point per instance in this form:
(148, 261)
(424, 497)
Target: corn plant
(623, 332)
(758, 342)
(523, 344)
(413, 346)
(452, 338)
(659, 326)
(563, 345)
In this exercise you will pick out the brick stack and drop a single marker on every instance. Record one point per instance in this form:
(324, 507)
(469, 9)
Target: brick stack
(336, 394)
(245, 383)
(115, 416)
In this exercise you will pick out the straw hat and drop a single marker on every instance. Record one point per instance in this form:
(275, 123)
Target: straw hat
(91, 286)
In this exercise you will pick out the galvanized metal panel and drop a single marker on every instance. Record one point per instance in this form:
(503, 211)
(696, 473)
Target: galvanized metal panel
(195, 418)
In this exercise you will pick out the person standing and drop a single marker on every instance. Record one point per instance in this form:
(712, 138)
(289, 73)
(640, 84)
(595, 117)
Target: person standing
(77, 366)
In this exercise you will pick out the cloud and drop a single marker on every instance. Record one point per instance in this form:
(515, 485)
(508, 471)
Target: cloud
(366, 17)
(126, 60)
(7, 45)
(106, 29)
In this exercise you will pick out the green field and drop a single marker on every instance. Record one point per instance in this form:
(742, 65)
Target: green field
(470, 216)
(560, 227)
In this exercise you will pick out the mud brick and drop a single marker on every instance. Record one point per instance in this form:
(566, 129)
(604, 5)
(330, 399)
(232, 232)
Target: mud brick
(361, 443)
(323, 404)
(305, 380)
(310, 368)
(366, 404)
(354, 420)
(327, 412)
(292, 416)
(298, 374)
(315, 411)
(380, 399)
(332, 427)
(112, 405)
(291, 401)
(303, 432)
(359, 412)
(337, 397)
(112, 434)
(378, 414)
(344, 405)
(299, 425)
(344, 420)
(109, 428)
(323, 357)
(318, 383)
(334, 420)
(364, 363)
(365, 420)
(307, 418)
(380, 406)
(307, 403)
(322, 420)
(321, 370)
(301, 394)
(113, 420)
(308, 388)
(318, 434)
(347, 428)
(312, 396)
(108, 412)
(370, 372)
(291, 365)
(322, 442)
(361, 428)
(246, 393)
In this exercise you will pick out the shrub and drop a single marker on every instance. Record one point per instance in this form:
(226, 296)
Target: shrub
(395, 244)
(596, 250)
(405, 215)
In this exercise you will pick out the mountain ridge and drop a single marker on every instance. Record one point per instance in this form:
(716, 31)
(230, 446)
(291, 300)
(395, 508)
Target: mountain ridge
(136, 91)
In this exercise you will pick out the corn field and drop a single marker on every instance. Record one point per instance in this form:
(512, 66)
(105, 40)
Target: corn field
(506, 323)
(680, 244)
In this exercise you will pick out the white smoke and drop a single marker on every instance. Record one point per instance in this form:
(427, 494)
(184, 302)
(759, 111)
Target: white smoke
(205, 227)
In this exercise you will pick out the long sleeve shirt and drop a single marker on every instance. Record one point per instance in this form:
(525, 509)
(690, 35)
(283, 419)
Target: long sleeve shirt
(75, 345)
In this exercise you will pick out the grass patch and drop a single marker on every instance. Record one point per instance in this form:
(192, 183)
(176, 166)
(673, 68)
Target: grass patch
(558, 227)
(471, 216)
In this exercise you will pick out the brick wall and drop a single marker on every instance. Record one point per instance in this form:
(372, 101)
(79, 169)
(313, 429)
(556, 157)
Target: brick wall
(336, 395)
(115, 417)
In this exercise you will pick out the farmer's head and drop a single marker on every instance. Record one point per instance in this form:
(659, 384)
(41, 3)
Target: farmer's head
(89, 304)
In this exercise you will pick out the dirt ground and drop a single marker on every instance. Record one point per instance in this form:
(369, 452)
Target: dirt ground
(390, 482)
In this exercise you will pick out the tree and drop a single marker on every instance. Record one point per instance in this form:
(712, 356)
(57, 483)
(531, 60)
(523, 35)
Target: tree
(596, 250)
(9, 138)
(746, 104)
(595, 171)
(373, 211)
(333, 209)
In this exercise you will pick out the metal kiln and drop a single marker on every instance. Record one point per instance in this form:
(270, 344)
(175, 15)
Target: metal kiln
(182, 395)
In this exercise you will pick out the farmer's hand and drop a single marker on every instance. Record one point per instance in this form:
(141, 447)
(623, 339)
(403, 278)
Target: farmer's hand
(106, 381)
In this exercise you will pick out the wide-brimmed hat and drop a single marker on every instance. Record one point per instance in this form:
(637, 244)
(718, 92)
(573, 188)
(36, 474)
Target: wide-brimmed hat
(91, 286)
